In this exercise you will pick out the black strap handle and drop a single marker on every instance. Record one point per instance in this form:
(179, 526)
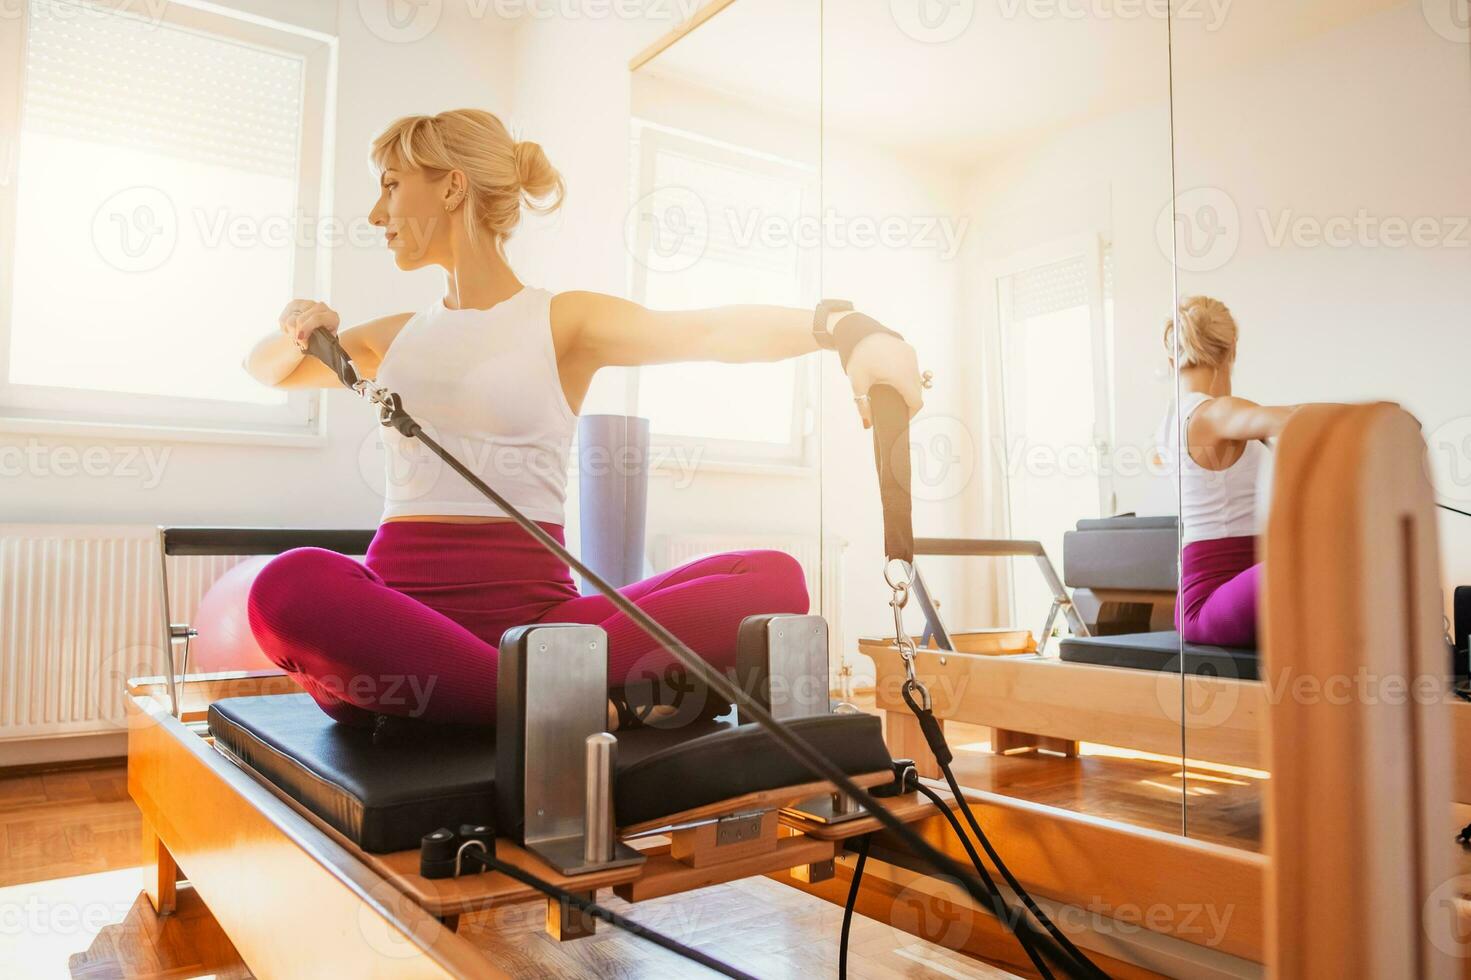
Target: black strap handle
(325, 347)
(890, 416)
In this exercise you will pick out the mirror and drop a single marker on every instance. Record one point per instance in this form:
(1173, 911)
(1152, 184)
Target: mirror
(1323, 199)
(724, 184)
(1027, 196)
(990, 190)
(993, 181)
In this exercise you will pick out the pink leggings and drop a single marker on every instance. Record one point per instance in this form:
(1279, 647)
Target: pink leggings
(1219, 581)
(413, 629)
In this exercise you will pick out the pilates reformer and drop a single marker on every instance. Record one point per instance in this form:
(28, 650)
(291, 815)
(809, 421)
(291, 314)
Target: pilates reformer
(552, 759)
(1347, 531)
(1117, 590)
(258, 846)
(1107, 681)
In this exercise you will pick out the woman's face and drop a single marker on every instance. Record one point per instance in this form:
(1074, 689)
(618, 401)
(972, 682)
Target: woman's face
(411, 211)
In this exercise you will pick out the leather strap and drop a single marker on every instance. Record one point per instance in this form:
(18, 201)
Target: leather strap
(890, 415)
(851, 330)
(825, 309)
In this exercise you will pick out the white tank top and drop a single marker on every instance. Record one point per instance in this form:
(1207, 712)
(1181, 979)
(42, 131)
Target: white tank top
(1216, 503)
(484, 385)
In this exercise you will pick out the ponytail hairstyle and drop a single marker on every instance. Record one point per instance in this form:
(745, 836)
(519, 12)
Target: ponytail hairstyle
(1207, 333)
(502, 173)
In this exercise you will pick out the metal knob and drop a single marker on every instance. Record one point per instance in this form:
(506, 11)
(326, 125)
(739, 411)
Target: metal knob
(598, 807)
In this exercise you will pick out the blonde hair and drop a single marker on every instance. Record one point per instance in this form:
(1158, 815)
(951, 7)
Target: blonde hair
(502, 172)
(1207, 333)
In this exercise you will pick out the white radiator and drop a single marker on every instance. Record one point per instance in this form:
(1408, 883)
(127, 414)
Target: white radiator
(79, 615)
(822, 566)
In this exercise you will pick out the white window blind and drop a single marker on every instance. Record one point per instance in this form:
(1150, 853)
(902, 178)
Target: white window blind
(124, 81)
(162, 190)
(1050, 288)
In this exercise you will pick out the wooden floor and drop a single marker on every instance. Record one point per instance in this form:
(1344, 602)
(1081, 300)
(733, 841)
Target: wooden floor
(71, 905)
(1220, 804)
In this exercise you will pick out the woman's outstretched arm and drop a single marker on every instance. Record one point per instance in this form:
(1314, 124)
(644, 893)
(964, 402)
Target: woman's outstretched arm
(609, 331)
(1232, 419)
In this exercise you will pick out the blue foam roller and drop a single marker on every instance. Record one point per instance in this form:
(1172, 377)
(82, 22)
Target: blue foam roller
(613, 468)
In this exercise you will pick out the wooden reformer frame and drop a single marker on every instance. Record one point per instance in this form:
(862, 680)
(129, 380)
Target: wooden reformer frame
(1352, 580)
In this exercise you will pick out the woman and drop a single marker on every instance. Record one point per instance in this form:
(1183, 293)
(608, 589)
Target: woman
(1225, 449)
(497, 372)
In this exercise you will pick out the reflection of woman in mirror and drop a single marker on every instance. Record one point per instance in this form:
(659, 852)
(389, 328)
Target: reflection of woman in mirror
(1225, 438)
(500, 370)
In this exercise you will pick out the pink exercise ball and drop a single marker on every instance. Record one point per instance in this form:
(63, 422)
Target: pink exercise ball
(225, 641)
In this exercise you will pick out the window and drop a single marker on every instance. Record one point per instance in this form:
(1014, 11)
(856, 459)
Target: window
(158, 218)
(716, 225)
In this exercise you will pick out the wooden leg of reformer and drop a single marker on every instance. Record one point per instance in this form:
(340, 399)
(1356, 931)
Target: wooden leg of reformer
(1004, 740)
(812, 874)
(566, 922)
(160, 873)
(1062, 746)
(906, 741)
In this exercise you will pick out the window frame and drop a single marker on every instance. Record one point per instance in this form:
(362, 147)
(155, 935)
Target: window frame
(80, 411)
(799, 454)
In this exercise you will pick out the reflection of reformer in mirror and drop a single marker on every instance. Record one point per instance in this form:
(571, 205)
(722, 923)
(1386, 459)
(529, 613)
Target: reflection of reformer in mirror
(992, 548)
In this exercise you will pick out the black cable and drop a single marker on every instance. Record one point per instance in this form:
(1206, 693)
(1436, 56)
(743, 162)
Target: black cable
(1022, 893)
(606, 914)
(1008, 915)
(934, 735)
(794, 745)
(1453, 510)
(848, 908)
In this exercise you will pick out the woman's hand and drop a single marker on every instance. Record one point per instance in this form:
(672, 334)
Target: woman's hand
(881, 359)
(303, 316)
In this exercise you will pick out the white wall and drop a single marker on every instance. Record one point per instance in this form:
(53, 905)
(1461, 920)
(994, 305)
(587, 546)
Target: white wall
(1374, 119)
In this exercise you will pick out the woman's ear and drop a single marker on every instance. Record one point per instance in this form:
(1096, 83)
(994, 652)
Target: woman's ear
(454, 189)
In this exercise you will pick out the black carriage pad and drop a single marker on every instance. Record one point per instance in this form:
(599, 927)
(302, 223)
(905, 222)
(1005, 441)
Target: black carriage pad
(1160, 651)
(745, 759)
(385, 797)
(381, 797)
